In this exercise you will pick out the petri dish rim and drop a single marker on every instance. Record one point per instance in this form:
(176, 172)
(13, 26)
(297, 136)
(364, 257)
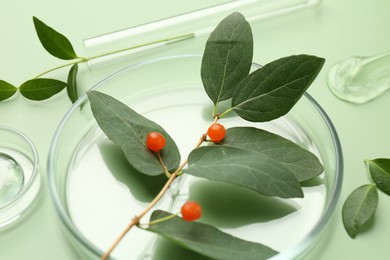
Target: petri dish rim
(25, 199)
(35, 163)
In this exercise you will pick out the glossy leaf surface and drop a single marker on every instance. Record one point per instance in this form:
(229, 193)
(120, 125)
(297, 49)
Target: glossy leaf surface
(54, 42)
(227, 57)
(299, 161)
(359, 208)
(128, 130)
(271, 91)
(41, 88)
(71, 87)
(380, 173)
(207, 240)
(246, 168)
(6, 90)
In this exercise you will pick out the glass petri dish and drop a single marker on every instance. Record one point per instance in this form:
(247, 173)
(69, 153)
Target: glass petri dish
(19, 175)
(96, 193)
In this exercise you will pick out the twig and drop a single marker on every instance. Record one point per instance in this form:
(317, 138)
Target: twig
(137, 218)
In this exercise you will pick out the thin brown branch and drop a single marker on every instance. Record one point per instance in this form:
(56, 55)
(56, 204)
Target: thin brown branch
(137, 218)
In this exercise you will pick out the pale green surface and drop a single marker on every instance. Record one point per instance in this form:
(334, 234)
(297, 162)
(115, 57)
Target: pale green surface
(335, 30)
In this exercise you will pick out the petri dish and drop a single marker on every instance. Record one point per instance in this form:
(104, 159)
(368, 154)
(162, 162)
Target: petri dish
(19, 175)
(96, 193)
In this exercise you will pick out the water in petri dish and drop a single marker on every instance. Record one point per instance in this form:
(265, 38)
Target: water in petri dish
(11, 178)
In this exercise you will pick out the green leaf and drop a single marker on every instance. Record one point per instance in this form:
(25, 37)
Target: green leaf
(300, 162)
(227, 57)
(252, 170)
(128, 130)
(359, 208)
(71, 87)
(6, 90)
(41, 88)
(54, 42)
(380, 173)
(207, 240)
(271, 91)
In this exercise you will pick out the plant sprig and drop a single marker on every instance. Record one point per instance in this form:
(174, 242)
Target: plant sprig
(248, 157)
(58, 45)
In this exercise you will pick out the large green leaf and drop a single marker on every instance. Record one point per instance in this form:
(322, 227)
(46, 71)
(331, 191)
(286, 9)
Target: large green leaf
(300, 162)
(128, 130)
(249, 169)
(271, 91)
(207, 240)
(54, 42)
(227, 57)
(380, 173)
(41, 88)
(359, 208)
(71, 87)
(6, 90)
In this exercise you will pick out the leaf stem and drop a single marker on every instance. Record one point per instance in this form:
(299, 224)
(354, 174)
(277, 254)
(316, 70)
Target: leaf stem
(226, 112)
(82, 59)
(137, 218)
(215, 109)
(62, 66)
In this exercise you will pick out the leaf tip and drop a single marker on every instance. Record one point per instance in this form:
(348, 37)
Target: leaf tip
(351, 232)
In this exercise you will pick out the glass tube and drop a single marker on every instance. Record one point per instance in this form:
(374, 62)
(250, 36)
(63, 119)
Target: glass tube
(119, 45)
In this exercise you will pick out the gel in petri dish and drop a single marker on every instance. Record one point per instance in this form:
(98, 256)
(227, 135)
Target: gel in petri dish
(19, 175)
(12, 178)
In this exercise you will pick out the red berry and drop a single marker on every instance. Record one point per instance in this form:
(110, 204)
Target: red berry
(191, 211)
(216, 132)
(155, 141)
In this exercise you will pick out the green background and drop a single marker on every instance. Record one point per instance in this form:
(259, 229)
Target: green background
(334, 30)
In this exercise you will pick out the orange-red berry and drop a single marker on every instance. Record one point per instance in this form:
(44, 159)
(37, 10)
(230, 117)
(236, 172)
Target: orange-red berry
(155, 141)
(216, 132)
(191, 211)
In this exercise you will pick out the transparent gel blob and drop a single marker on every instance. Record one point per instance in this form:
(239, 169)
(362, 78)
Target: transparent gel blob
(360, 79)
(11, 178)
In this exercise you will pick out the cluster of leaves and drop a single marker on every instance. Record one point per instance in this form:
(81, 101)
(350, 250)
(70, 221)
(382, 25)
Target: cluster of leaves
(55, 43)
(248, 157)
(360, 206)
(40, 88)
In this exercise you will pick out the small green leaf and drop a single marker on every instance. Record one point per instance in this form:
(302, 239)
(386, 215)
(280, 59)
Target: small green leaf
(380, 173)
(300, 162)
(71, 87)
(271, 91)
(54, 42)
(227, 57)
(252, 170)
(6, 90)
(359, 207)
(207, 240)
(41, 88)
(128, 130)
